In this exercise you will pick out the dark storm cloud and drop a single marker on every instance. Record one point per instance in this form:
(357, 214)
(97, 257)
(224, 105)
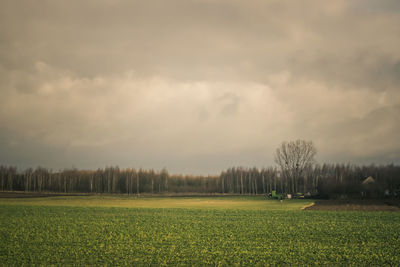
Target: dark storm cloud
(204, 84)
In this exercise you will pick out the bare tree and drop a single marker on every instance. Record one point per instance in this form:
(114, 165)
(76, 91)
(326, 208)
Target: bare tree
(293, 157)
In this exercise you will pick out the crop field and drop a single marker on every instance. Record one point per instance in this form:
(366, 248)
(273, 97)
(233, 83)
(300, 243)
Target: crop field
(95, 230)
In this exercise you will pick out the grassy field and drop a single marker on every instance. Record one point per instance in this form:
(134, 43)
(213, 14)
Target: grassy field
(228, 231)
(229, 202)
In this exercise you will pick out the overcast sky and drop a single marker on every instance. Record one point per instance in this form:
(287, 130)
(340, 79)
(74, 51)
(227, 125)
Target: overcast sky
(197, 86)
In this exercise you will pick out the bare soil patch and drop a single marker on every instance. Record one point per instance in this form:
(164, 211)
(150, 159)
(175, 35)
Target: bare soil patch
(356, 205)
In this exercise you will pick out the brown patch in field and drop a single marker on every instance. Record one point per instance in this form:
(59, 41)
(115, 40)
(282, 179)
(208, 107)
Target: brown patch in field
(356, 205)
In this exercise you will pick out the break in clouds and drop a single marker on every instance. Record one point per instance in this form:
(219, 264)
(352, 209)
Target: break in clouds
(197, 86)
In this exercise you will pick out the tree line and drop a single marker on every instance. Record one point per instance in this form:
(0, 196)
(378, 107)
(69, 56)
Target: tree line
(327, 179)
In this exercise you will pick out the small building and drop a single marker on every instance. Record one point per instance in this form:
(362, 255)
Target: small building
(368, 180)
(369, 187)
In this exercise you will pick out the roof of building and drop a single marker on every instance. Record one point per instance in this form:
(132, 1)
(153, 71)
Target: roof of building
(368, 180)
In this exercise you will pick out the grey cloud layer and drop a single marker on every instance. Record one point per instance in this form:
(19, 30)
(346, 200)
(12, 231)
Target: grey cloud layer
(197, 86)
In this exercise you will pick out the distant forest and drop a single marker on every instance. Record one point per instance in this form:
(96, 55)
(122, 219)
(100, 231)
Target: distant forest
(333, 180)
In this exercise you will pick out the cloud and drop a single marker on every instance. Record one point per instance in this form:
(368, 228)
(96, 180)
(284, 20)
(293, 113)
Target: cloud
(197, 86)
(140, 117)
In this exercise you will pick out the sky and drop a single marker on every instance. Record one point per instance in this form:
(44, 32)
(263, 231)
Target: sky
(197, 86)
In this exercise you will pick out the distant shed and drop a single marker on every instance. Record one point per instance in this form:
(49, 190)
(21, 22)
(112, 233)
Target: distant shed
(368, 180)
(369, 187)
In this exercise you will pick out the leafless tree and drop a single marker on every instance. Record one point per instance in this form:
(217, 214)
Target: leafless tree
(293, 158)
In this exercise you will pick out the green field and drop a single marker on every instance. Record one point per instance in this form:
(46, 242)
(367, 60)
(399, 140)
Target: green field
(227, 231)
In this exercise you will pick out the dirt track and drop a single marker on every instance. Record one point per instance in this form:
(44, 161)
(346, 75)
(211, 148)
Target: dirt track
(354, 205)
(21, 194)
(33, 195)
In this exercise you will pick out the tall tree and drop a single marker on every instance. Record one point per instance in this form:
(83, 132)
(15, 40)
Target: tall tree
(293, 157)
